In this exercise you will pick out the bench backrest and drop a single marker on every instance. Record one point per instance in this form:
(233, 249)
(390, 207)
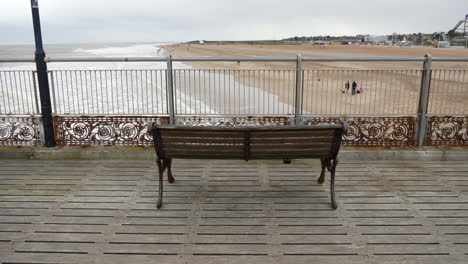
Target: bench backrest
(286, 142)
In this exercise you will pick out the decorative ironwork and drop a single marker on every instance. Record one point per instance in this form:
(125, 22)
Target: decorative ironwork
(373, 131)
(103, 130)
(234, 121)
(19, 131)
(447, 131)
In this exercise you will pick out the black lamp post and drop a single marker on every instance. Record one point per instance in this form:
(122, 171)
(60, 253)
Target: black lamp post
(42, 79)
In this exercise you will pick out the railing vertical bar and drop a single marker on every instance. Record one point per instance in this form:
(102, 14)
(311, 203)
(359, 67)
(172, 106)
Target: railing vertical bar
(33, 78)
(443, 92)
(404, 91)
(298, 93)
(145, 84)
(19, 93)
(4, 85)
(81, 90)
(415, 78)
(75, 87)
(170, 90)
(436, 90)
(442, 89)
(452, 107)
(63, 93)
(70, 93)
(460, 92)
(10, 88)
(52, 87)
(140, 91)
(93, 91)
(207, 95)
(423, 102)
(117, 90)
(4, 90)
(85, 91)
(246, 89)
(384, 78)
(330, 91)
(4, 96)
(20, 87)
(448, 90)
(24, 92)
(60, 93)
(151, 100)
(362, 96)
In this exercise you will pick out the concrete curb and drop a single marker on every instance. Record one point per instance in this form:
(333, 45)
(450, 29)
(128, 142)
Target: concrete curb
(129, 153)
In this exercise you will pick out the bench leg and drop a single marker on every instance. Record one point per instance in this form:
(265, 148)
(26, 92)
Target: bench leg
(161, 169)
(332, 183)
(170, 178)
(321, 179)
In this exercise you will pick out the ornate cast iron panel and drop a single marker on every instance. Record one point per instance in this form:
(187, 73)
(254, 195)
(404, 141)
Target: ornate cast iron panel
(447, 131)
(19, 131)
(234, 121)
(373, 131)
(108, 131)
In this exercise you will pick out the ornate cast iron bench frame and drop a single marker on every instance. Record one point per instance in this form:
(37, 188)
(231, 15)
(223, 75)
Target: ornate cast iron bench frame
(287, 142)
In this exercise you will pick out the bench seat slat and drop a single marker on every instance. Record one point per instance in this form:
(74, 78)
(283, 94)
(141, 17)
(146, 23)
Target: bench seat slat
(193, 154)
(292, 134)
(206, 140)
(317, 145)
(281, 140)
(209, 147)
(201, 133)
(289, 152)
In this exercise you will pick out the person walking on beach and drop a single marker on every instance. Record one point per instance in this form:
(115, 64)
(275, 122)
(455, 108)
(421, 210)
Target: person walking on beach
(353, 88)
(347, 86)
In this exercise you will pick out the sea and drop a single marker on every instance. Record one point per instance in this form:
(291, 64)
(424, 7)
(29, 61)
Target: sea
(134, 92)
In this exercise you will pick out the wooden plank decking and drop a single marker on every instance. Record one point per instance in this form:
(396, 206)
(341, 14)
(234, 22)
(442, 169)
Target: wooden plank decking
(233, 212)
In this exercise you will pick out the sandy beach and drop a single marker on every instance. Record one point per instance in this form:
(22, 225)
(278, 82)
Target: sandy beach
(308, 50)
(389, 87)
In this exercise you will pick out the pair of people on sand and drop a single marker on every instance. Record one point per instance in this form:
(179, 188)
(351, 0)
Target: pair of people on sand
(354, 89)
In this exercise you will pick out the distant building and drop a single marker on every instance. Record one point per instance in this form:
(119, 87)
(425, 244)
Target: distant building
(443, 44)
(375, 39)
(201, 42)
(318, 42)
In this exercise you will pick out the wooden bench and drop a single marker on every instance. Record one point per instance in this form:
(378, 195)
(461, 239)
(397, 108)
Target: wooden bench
(286, 142)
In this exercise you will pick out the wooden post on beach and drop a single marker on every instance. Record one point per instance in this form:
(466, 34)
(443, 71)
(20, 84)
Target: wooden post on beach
(42, 79)
(421, 124)
(298, 99)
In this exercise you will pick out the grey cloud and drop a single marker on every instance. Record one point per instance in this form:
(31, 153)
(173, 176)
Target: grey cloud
(180, 20)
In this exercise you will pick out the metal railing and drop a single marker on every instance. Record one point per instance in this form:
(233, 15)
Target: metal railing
(449, 92)
(109, 92)
(381, 92)
(295, 92)
(18, 93)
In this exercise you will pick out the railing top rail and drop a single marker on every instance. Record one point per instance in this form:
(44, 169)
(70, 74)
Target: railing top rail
(234, 59)
(449, 58)
(103, 59)
(364, 58)
(6, 60)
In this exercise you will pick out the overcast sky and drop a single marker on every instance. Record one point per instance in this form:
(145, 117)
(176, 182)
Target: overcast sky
(81, 21)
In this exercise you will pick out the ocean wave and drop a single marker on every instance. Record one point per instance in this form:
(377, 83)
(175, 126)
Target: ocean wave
(142, 50)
